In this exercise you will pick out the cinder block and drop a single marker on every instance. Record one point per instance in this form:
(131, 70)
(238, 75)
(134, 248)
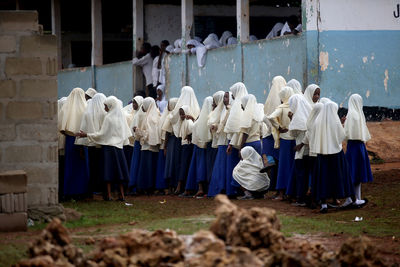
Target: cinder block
(20, 204)
(38, 46)
(51, 66)
(13, 182)
(42, 174)
(51, 154)
(39, 132)
(7, 203)
(23, 66)
(7, 132)
(7, 88)
(14, 154)
(38, 88)
(11, 21)
(24, 110)
(7, 44)
(13, 222)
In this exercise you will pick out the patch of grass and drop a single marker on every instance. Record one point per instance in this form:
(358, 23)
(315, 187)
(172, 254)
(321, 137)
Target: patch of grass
(12, 253)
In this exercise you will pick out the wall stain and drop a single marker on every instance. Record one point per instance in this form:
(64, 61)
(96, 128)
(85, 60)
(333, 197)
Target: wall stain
(385, 81)
(324, 60)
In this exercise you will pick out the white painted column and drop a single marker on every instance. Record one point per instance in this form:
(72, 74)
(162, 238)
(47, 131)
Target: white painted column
(138, 39)
(243, 20)
(56, 29)
(97, 34)
(187, 20)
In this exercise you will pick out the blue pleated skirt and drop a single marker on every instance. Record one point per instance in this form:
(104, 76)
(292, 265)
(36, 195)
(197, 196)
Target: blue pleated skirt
(115, 167)
(357, 157)
(128, 151)
(286, 162)
(186, 158)
(231, 184)
(76, 175)
(160, 178)
(198, 169)
(268, 147)
(257, 145)
(218, 178)
(172, 159)
(134, 169)
(96, 173)
(299, 181)
(147, 170)
(210, 160)
(332, 177)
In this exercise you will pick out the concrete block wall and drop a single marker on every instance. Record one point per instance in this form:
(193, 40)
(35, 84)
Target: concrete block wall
(28, 106)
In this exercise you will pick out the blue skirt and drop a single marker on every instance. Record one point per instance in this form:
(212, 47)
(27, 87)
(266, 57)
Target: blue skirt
(172, 160)
(186, 158)
(197, 170)
(147, 170)
(218, 177)
(128, 151)
(96, 173)
(299, 181)
(160, 178)
(332, 177)
(115, 167)
(286, 162)
(134, 168)
(210, 160)
(231, 184)
(357, 157)
(76, 175)
(256, 145)
(268, 147)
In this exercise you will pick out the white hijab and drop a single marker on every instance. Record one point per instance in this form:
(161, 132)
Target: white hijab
(151, 122)
(91, 92)
(232, 41)
(211, 41)
(61, 137)
(311, 125)
(247, 171)
(274, 32)
(163, 103)
(324, 100)
(178, 46)
(93, 117)
(188, 98)
(295, 85)
(273, 100)
(301, 111)
(309, 93)
(253, 38)
(215, 115)
(138, 114)
(329, 132)
(224, 115)
(251, 111)
(224, 38)
(71, 114)
(233, 123)
(165, 123)
(185, 128)
(114, 130)
(355, 125)
(201, 133)
(200, 50)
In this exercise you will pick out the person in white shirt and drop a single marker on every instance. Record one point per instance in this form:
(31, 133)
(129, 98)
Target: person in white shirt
(145, 61)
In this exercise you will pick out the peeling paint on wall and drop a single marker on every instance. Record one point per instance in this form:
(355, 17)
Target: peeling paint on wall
(367, 93)
(288, 70)
(385, 81)
(323, 60)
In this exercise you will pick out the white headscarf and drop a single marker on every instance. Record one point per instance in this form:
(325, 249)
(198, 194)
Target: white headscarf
(163, 103)
(91, 92)
(284, 94)
(92, 118)
(186, 125)
(233, 123)
(301, 111)
(201, 133)
(251, 111)
(224, 115)
(355, 125)
(61, 137)
(253, 38)
(200, 50)
(295, 85)
(309, 93)
(311, 126)
(273, 100)
(215, 115)
(188, 98)
(232, 41)
(178, 45)
(324, 100)
(138, 114)
(247, 171)
(211, 41)
(274, 32)
(165, 122)
(151, 122)
(329, 132)
(114, 130)
(224, 38)
(169, 49)
(71, 114)
(198, 39)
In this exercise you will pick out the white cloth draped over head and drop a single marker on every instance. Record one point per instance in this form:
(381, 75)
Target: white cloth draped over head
(284, 94)
(285, 28)
(224, 115)
(251, 111)
(178, 46)
(273, 100)
(114, 130)
(169, 49)
(92, 118)
(91, 92)
(201, 133)
(200, 50)
(232, 41)
(247, 171)
(151, 122)
(275, 30)
(188, 98)
(185, 126)
(238, 90)
(224, 38)
(165, 121)
(311, 127)
(325, 100)
(301, 111)
(211, 41)
(197, 39)
(215, 115)
(61, 137)
(253, 38)
(355, 125)
(137, 116)
(329, 133)
(163, 103)
(295, 85)
(309, 93)
(70, 116)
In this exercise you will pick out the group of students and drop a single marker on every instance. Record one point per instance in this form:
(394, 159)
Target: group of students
(233, 145)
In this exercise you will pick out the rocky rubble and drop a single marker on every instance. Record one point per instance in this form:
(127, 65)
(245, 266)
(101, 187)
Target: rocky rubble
(238, 237)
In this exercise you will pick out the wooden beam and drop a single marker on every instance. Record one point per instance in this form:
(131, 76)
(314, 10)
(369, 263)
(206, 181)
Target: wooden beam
(56, 29)
(187, 20)
(243, 20)
(97, 34)
(138, 39)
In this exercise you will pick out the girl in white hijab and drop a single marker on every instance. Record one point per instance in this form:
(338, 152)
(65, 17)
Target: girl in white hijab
(201, 138)
(332, 175)
(161, 102)
(312, 94)
(89, 94)
(224, 38)
(198, 49)
(61, 151)
(61, 137)
(211, 42)
(276, 31)
(215, 115)
(357, 135)
(232, 41)
(178, 46)
(149, 140)
(298, 182)
(247, 174)
(112, 136)
(295, 85)
(188, 98)
(280, 122)
(76, 174)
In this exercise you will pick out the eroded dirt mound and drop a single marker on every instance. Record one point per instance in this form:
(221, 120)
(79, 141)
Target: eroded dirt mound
(385, 140)
(238, 237)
